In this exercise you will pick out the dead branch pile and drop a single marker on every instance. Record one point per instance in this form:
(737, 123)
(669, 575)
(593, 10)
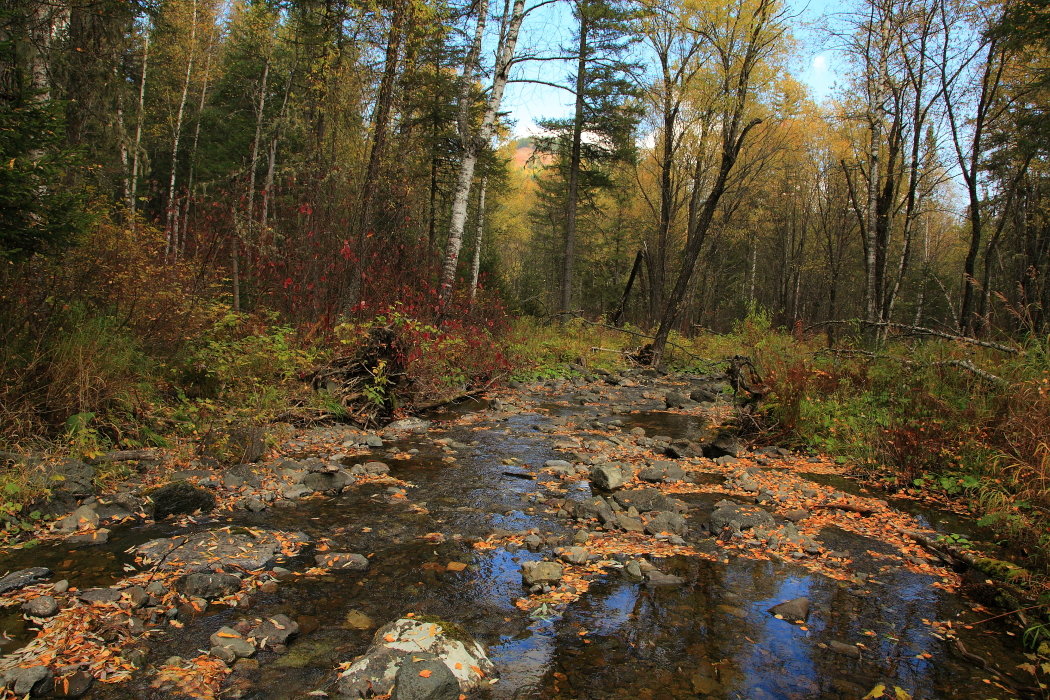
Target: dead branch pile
(371, 383)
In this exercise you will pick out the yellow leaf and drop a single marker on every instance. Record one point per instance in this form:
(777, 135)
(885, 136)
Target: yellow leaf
(878, 691)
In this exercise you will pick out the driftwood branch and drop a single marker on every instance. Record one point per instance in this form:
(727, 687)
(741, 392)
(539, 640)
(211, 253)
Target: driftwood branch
(921, 330)
(961, 364)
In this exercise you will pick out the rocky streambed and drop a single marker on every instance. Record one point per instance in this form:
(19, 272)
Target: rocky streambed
(592, 538)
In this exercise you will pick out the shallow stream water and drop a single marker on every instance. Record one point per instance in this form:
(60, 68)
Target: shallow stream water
(712, 637)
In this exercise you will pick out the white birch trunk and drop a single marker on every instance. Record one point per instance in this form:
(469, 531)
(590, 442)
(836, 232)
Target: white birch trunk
(136, 150)
(461, 197)
(171, 218)
(478, 237)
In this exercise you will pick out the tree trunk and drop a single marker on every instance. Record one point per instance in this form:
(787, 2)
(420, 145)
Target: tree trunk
(176, 137)
(476, 265)
(572, 186)
(190, 181)
(137, 150)
(483, 138)
(731, 145)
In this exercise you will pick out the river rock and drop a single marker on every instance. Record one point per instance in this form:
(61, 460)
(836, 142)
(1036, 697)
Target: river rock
(83, 518)
(702, 395)
(342, 560)
(645, 500)
(595, 507)
(606, 477)
(425, 677)
(725, 446)
(573, 555)
(397, 643)
(232, 640)
(738, 516)
(209, 586)
(74, 685)
(179, 498)
(409, 425)
(23, 578)
(238, 549)
(795, 610)
(41, 606)
(665, 522)
(89, 539)
(274, 630)
(100, 595)
(69, 482)
(327, 482)
(27, 681)
(656, 578)
(539, 572)
(674, 399)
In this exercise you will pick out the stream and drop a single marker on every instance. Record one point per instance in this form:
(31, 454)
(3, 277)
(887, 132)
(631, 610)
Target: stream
(712, 636)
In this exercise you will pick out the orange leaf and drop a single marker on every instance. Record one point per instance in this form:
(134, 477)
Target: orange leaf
(425, 673)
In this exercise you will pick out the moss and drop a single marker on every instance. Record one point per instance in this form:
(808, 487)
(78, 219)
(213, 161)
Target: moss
(1002, 570)
(451, 629)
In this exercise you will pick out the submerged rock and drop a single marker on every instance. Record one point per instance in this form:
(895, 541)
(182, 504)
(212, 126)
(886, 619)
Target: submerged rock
(795, 610)
(398, 643)
(180, 498)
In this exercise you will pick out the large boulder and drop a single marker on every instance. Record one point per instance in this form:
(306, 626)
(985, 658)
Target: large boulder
(234, 548)
(398, 643)
(179, 498)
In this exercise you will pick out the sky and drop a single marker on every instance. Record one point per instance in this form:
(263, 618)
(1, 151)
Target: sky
(552, 25)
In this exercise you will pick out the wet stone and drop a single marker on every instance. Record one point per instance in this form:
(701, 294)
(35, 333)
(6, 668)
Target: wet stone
(425, 677)
(203, 551)
(742, 517)
(658, 578)
(100, 595)
(793, 610)
(74, 685)
(210, 586)
(275, 630)
(396, 643)
(26, 681)
(358, 620)
(180, 498)
(607, 477)
(41, 606)
(83, 518)
(232, 640)
(23, 578)
(574, 555)
(540, 572)
(850, 650)
(666, 522)
(342, 560)
(88, 539)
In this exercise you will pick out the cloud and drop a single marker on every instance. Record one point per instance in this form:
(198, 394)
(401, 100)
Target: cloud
(820, 63)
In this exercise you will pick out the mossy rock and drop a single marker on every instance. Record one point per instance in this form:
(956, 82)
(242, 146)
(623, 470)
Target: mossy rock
(451, 629)
(1002, 570)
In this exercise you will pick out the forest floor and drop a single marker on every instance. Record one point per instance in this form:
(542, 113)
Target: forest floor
(601, 537)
